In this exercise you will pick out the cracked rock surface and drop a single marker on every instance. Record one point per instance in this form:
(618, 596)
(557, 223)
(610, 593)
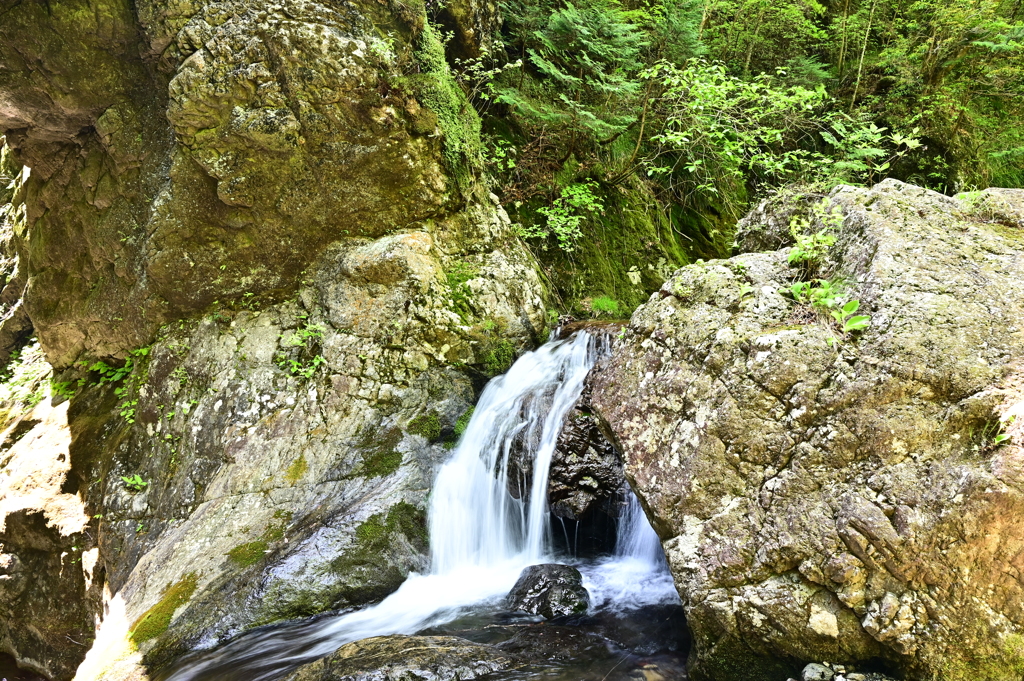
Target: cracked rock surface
(846, 499)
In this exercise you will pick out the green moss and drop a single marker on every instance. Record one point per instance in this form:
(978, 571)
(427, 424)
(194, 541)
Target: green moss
(296, 470)
(499, 357)
(274, 532)
(246, 555)
(437, 89)
(463, 422)
(378, 532)
(606, 305)
(157, 619)
(381, 464)
(458, 276)
(428, 425)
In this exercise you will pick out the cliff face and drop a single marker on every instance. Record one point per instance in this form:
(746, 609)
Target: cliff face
(254, 249)
(831, 495)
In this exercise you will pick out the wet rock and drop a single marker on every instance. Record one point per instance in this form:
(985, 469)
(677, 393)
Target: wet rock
(586, 471)
(817, 672)
(549, 590)
(824, 495)
(399, 658)
(548, 644)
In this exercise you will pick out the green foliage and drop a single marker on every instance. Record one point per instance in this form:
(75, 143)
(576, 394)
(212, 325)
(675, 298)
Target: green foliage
(157, 619)
(126, 390)
(992, 435)
(581, 59)
(303, 360)
(792, 92)
(605, 305)
(566, 213)
(134, 483)
(827, 297)
(848, 320)
(723, 133)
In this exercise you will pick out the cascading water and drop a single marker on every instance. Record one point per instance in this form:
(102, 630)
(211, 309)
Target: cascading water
(481, 537)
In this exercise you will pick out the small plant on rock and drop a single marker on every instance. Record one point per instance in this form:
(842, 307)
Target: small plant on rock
(849, 321)
(134, 483)
(306, 339)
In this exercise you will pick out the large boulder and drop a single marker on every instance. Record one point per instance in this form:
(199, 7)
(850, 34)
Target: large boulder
(549, 590)
(255, 248)
(837, 496)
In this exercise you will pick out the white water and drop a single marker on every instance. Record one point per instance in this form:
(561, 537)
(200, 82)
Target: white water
(481, 537)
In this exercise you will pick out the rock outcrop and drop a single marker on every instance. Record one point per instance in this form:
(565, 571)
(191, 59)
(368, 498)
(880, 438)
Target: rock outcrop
(253, 244)
(837, 496)
(549, 590)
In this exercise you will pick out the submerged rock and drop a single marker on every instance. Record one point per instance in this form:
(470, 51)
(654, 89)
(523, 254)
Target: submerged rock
(831, 495)
(400, 658)
(549, 590)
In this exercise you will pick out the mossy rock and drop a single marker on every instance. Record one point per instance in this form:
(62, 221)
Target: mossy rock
(367, 564)
(428, 425)
(296, 470)
(157, 619)
(246, 555)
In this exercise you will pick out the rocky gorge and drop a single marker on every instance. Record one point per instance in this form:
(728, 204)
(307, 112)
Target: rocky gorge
(256, 284)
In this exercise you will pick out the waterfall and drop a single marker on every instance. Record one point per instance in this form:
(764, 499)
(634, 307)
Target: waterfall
(474, 521)
(481, 537)
(636, 538)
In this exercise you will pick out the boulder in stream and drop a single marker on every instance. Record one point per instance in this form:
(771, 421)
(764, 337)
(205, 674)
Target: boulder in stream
(399, 658)
(549, 590)
(830, 495)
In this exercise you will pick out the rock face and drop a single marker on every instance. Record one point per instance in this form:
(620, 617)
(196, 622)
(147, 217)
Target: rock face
(549, 590)
(831, 496)
(586, 470)
(398, 658)
(253, 245)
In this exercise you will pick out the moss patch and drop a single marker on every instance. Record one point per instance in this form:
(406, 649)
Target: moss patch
(296, 470)
(380, 456)
(249, 554)
(157, 619)
(499, 357)
(380, 464)
(437, 89)
(367, 570)
(428, 425)
(375, 535)
(463, 422)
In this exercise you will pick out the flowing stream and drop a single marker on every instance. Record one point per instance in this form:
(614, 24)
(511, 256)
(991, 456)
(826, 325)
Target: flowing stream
(481, 537)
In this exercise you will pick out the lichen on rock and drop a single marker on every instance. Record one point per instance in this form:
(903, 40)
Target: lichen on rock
(831, 496)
